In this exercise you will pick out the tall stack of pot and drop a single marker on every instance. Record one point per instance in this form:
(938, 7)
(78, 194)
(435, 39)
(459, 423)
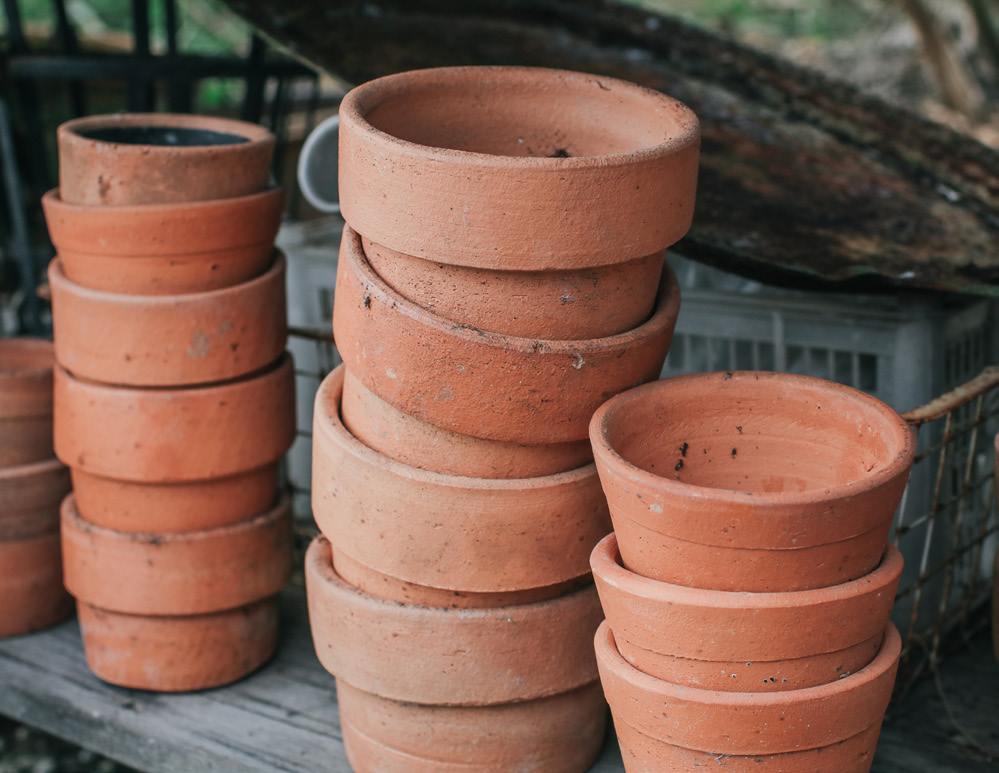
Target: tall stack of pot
(174, 397)
(501, 275)
(748, 583)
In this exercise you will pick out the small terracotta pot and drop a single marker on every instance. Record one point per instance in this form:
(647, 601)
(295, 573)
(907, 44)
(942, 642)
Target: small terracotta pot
(488, 385)
(165, 249)
(32, 595)
(189, 573)
(586, 303)
(30, 495)
(172, 435)
(787, 482)
(445, 531)
(440, 656)
(178, 654)
(495, 167)
(745, 723)
(157, 158)
(745, 642)
(169, 340)
(384, 428)
(25, 400)
(559, 734)
(165, 508)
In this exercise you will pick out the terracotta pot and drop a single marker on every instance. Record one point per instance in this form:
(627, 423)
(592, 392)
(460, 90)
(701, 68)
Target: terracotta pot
(593, 302)
(174, 507)
(747, 723)
(485, 384)
(178, 654)
(432, 168)
(30, 495)
(451, 657)
(445, 531)
(745, 642)
(169, 340)
(183, 573)
(157, 158)
(787, 482)
(384, 428)
(25, 400)
(32, 595)
(559, 734)
(165, 249)
(171, 435)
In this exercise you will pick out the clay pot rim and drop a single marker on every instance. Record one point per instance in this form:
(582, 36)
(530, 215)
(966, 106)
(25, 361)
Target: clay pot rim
(663, 314)
(57, 276)
(43, 467)
(884, 661)
(332, 426)
(361, 99)
(889, 420)
(52, 199)
(605, 561)
(252, 133)
(40, 353)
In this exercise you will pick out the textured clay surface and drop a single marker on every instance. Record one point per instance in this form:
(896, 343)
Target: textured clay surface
(187, 573)
(484, 384)
(30, 496)
(25, 400)
(32, 595)
(182, 653)
(95, 169)
(171, 435)
(431, 169)
(165, 249)
(446, 531)
(559, 734)
(454, 657)
(169, 340)
(594, 302)
(788, 482)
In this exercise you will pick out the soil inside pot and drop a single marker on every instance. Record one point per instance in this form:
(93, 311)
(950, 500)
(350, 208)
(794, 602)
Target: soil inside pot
(163, 136)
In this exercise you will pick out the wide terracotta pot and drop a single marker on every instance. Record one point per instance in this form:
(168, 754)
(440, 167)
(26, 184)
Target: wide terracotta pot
(169, 340)
(25, 400)
(159, 158)
(384, 428)
(745, 642)
(685, 725)
(172, 435)
(165, 249)
(559, 734)
(484, 384)
(442, 656)
(495, 167)
(745, 481)
(32, 595)
(445, 531)
(184, 573)
(593, 302)
(178, 653)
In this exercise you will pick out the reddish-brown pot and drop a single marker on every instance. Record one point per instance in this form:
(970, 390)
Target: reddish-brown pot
(30, 495)
(158, 158)
(404, 438)
(183, 573)
(559, 734)
(761, 482)
(169, 340)
(178, 653)
(445, 531)
(451, 657)
(32, 595)
(484, 384)
(593, 302)
(496, 167)
(171, 435)
(25, 400)
(745, 642)
(686, 721)
(165, 249)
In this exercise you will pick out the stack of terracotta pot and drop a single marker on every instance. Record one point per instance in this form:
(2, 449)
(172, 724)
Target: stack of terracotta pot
(501, 276)
(174, 399)
(748, 584)
(32, 484)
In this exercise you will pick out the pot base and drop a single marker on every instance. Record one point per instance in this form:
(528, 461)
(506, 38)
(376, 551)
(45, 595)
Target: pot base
(32, 595)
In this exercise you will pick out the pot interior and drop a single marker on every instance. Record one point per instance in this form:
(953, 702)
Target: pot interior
(756, 433)
(164, 136)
